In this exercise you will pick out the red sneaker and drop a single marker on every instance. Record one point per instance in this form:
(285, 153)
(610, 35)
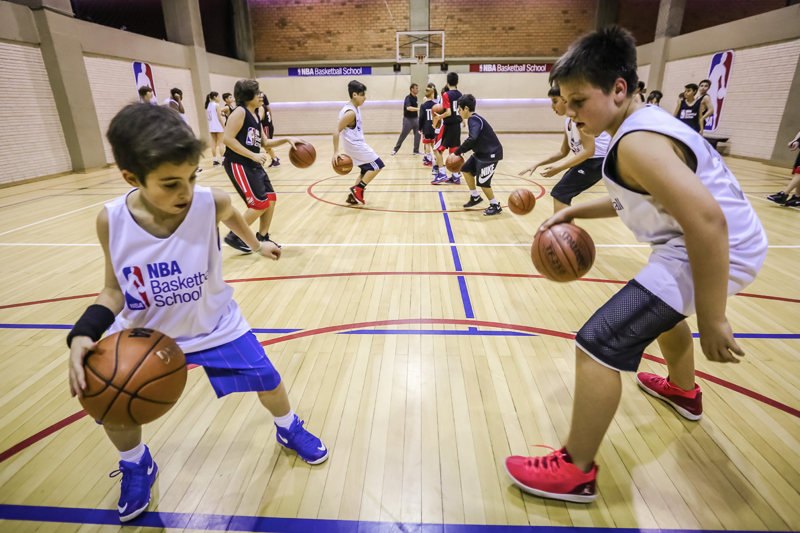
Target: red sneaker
(689, 404)
(553, 476)
(358, 194)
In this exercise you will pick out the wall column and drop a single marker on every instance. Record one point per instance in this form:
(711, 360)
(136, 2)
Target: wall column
(419, 11)
(63, 59)
(606, 13)
(670, 17)
(244, 34)
(184, 26)
(790, 125)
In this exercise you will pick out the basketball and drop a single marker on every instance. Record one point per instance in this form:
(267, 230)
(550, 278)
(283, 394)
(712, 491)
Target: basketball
(304, 156)
(438, 109)
(454, 163)
(563, 252)
(133, 377)
(521, 202)
(343, 165)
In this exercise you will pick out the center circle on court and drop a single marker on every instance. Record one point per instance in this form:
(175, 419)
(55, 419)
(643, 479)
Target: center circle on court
(310, 192)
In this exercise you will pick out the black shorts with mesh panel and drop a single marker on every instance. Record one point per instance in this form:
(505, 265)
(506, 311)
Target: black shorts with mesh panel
(618, 333)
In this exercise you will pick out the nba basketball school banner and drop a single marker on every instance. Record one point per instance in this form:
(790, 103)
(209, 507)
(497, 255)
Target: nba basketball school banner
(143, 76)
(719, 73)
(510, 67)
(331, 71)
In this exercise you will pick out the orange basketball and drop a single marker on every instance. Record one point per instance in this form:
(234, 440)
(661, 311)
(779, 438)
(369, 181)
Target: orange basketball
(563, 252)
(343, 165)
(304, 156)
(438, 109)
(133, 377)
(454, 163)
(521, 202)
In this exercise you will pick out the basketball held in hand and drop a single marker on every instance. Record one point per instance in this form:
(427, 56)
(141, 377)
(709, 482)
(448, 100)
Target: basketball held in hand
(521, 202)
(343, 165)
(133, 377)
(454, 163)
(438, 109)
(563, 252)
(303, 156)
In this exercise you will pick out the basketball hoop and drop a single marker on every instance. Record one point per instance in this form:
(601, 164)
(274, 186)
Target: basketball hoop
(420, 60)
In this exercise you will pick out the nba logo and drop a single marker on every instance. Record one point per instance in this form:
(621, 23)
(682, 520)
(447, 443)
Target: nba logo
(135, 291)
(251, 136)
(143, 76)
(719, 74)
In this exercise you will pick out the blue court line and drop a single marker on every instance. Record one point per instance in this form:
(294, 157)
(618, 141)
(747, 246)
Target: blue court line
(264, 524)
(462, 282)
(470, 332)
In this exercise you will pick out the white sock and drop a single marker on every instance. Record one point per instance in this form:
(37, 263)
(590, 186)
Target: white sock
(215, 160)
(494, 201)
(475, 193)
(285, 421)
(456, 174)
(442, 171)
(133, 456)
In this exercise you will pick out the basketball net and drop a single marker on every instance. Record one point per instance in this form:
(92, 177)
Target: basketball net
(420, 60)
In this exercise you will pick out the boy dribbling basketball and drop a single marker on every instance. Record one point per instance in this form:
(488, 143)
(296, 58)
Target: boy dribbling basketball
(673, 191)
(351, 130)
(486, 153)
(168, 219)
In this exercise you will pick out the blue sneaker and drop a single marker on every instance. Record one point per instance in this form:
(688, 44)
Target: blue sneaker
(308, 447)
(435, 169)
(440, 178)
(455, 178)
(137, 479)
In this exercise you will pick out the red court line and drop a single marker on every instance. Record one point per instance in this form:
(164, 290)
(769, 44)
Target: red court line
(346, 274)
(438, 321)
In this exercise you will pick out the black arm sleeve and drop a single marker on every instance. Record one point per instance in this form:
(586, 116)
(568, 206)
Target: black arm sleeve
(474, 132)
(93, 323)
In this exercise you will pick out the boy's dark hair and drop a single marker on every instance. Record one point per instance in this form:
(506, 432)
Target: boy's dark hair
(467, 101)
(452, 79)
(244, 91)
(555, 90)
(599, 59)
(692, 86)
(175, 91)
(357, 87)
(144, 136)
(143, 90)
(412, 86)
(225, 96)
(705, 81)
(655, 97)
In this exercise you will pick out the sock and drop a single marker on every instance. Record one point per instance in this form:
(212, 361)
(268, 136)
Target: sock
(475, 193)
(494, 201)
(362, 184)
(133, 456)
(285, 421)
(275, 159)
(442, 172)
(456, 174)
(215, 160)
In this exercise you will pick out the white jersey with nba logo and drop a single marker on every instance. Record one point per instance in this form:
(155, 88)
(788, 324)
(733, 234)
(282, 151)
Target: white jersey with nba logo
(174, 285)
(354, 143)
(668, 274)
(576, 144)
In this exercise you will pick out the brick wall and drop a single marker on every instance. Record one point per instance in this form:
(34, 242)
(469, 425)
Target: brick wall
(113, 87)
(758, 89)
(304, 30)
(32, 142)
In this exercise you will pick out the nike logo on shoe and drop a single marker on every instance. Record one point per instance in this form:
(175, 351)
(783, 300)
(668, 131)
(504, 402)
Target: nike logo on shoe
(322, 448)
(283, 440)
(122, 509)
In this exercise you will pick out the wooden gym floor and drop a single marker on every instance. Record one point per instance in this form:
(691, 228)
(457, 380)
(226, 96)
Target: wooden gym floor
(417, 340)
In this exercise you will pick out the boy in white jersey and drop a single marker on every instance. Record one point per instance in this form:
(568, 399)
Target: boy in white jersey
(167, 219)
(672, 189)
(351, 129)
(584, 169)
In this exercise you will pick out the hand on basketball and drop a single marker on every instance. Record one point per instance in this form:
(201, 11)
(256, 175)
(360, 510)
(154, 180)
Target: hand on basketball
(562, 217)
(717, 342)
(294, 142)
(529, 170)
(270, 250)
(260, 157)
(794, 145)
(550, 171)
(77, 378)
(335, 160)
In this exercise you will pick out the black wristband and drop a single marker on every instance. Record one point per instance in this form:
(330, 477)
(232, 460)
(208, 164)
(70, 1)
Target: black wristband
(93, 323)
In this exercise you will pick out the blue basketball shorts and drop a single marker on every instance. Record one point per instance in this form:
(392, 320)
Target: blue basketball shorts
(238, 366)
(369, 167)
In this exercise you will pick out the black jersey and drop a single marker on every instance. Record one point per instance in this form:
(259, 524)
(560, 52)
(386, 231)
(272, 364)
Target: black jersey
(450, 100)
(267, 120)
(690, 114)
(426, 119)
(482, 140)
(249, 137)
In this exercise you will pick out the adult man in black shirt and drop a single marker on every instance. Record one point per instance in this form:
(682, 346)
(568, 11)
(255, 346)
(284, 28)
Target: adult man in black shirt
(410, 120)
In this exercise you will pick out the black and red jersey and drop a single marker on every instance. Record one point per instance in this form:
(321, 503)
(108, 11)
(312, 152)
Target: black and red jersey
(450, 100)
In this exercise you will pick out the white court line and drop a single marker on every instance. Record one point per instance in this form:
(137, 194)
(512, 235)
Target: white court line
(773, 203)
(350, 245)
(52, 218)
